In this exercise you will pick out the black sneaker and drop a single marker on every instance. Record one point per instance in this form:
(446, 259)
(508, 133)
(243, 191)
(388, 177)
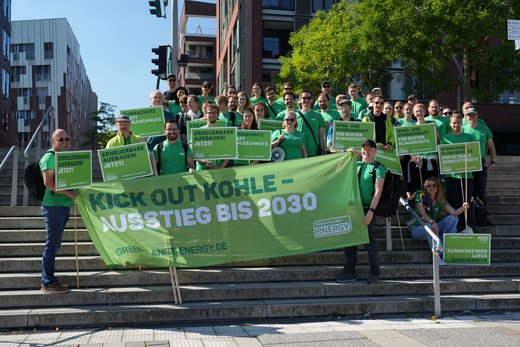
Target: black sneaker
(373, 279)
(347, 278)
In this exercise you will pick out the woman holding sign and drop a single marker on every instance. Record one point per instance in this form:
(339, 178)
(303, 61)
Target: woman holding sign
(289, 139)
(433, 208)
(248, 123)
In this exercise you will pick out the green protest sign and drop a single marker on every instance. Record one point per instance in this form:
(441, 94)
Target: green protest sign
(415, 139)
(195, 124)
(74, 169)
(269, 124)
(467, 249)
(125, 162)
(146, 121)
(460, 157)
(214, 143)
(254, 144)
(346, 135)
(390, 161)
(228, 215)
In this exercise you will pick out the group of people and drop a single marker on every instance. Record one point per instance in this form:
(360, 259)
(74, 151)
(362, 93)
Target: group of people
(306, 132)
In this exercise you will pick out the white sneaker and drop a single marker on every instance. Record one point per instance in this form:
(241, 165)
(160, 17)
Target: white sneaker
(467, 230)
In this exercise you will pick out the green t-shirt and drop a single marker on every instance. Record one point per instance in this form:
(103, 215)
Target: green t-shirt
(274, 109)
(357, 107)
(291, 143)
(227, 117)
(315, 121)
(332, 104)
(202, 99)
(174, 108)
(330, 116)
(480, 133)
(52, 199)
(255, 100)
(461, 138)
(443, 124)
(173, 157)
(436, 210)
(366, 181)
(403, 122)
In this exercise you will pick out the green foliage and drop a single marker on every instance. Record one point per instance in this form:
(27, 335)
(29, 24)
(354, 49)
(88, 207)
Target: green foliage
(104, 120)
(356, 41)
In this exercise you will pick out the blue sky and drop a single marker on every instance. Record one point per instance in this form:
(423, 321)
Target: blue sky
(116, 38)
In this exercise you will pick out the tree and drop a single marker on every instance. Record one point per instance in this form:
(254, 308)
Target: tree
(357, 41)
(104, 120)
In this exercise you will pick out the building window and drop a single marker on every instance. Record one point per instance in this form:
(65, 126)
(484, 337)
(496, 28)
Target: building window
(7, 10)
(16, 71)
(322, 4)
(42, 73)
(48, 52)
(7, 43)
(278, 4)
(27, 48)
(276, 43)
(6, 82)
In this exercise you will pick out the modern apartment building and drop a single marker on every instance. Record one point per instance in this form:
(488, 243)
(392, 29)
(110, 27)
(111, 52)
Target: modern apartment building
(5, 71)
(47, 70)
(253, 34)
(198, 45)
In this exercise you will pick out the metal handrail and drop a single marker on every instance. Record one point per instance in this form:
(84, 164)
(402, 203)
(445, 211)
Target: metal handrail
(35, 136)
(436, 247)
(14, 182)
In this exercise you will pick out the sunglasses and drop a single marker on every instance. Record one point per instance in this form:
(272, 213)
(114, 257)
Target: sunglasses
(306, 97)
(326, 86)
(447, 113)
(61, 139)
(431, 186)
(289, 119)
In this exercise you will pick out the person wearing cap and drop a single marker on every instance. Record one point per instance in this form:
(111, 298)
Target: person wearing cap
(345, 109)
(206, 90)
(484, 136)
(412, 99)
(124, 135)
(326, 89)
(377, 92)
(434, 114)
(170, 94)
(480, 121)
(383, 124)
(370, 189)
(359, 104)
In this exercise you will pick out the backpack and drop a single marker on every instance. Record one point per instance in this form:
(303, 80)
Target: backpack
(477, 213)
(33, 180)
(159, 150)
(391, 192)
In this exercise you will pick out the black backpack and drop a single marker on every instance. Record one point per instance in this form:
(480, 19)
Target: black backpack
(391, 192)
(34, 181)
(477, 213)
(159, 150)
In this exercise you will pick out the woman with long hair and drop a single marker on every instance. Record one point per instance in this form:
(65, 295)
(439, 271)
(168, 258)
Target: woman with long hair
(243, 102)
(257, 93)
(433, 208)
(292, 141)
(261, 111)
(248, 123)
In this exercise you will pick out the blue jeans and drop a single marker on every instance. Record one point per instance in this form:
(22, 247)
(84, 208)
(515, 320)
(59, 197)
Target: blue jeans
(371, 247)
(55, 219)
(447, 225)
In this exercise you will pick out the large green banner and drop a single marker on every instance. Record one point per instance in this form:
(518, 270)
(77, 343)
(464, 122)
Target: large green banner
(460, 157)
(146, 121)
(269, 124)
(227, 215)
(390, 161)
(254, 144)
(214, 143)
(346, 135)
(195, 124)
(74, 169)
(125, 162)
(415, 139)
(467, 249)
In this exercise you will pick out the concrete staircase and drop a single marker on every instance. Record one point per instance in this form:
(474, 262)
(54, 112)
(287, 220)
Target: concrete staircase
(302, 285)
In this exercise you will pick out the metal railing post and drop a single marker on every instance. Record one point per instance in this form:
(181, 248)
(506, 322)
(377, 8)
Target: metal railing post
(14, 184)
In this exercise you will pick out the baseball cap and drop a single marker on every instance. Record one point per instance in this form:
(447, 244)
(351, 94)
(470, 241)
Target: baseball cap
(325, 83)
(344, 101)
(206, 84)
(123, 118)
(376, 89)
(412, 96)
(369, 143)
(470, 110)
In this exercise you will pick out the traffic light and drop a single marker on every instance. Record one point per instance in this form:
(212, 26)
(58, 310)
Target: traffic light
(155, 7)
(160, 61)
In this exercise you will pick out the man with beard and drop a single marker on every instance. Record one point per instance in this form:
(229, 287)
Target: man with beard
(443, 123)
(328, 115)
(211, 114)
(172, 156)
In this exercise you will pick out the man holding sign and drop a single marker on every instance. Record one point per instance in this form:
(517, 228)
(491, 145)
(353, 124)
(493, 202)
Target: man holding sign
(124, 136)
(211, 113)
(55, 211)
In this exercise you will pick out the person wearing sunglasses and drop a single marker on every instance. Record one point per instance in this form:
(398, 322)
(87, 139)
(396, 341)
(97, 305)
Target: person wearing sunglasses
(55, 209)
(207, 87)
(435, 211)
(311, 123)
(398, 110)
(291, 140)
(383, 124)
(124, 135)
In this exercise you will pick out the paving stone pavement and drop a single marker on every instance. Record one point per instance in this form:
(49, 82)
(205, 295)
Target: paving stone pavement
(495, 330)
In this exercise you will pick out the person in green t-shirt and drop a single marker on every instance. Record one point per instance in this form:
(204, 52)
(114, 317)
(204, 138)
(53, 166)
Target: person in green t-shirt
(207, 87)
(233, 119)
(289, 139)
(434, 114)
(211, 113)
(273, 107)
(55, 210)
(289, 99)
(328, 115)
(359, 105)
(170, 155)
(311, 123)
(370, 190)
(436, 212)
(257, 94)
